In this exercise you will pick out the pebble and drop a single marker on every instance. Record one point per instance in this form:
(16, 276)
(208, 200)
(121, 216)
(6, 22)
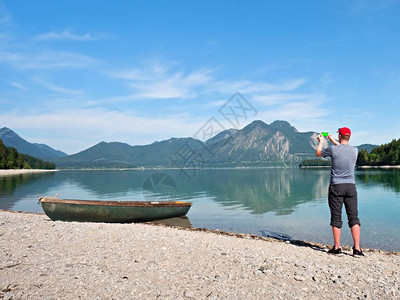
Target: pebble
(263, 268)
(62, 260)
(299, 278)
(7, 296)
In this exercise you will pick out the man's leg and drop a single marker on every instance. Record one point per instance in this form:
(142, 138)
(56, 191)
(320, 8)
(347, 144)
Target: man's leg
(350, 203)
(336, 236)
(355, 232)
(335, 200)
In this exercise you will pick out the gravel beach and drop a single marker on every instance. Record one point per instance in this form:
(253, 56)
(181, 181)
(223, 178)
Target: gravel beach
(42, 259)
(23, 171)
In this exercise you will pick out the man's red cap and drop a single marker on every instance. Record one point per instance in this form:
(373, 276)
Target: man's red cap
(344, 131)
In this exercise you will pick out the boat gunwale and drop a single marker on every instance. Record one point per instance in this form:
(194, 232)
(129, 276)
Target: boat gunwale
(116, 203)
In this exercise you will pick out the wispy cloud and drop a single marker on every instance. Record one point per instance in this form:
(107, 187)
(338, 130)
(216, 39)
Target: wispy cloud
(163, 81)
(22, 53)
(306, 114)
(87, 127)
(218, 103)
(59, 89)
(153, 70)
(158, 81)
(255, 87)
(18, 85)
(366, 6)
(46, 59)
(177, 85)
(65, 35)
(280, 98)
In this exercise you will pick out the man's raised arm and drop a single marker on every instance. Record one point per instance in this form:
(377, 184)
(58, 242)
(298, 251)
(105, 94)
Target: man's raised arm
(335, 142)
(318, 151)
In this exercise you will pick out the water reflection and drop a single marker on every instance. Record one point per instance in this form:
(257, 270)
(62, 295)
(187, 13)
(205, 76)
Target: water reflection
(264, 190)
(389, 178)
(182, 221)
(256, 190)
(108, 182)
(269, 202)
(11, 187)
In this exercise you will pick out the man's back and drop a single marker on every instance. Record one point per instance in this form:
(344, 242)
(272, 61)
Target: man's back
(344, 159)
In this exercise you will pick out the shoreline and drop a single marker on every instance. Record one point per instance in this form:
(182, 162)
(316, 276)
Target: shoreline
(357, 167)
(10, 172)
(379, 167)
(239, 235)
(219, 168)
(42, 259)
(174, 168)
(314, 167)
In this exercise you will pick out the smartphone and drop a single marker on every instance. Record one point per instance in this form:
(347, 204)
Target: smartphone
(325, 133)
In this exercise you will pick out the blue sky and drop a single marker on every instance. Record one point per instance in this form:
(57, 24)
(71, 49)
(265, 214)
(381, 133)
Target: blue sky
(74, 73)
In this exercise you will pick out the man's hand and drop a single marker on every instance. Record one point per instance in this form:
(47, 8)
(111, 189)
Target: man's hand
(335, 142)
(318, 151)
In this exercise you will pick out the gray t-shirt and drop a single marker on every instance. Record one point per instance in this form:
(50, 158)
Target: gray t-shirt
(344, 159)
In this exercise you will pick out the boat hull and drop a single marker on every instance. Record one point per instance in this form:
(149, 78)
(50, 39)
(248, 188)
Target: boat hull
(112, 211)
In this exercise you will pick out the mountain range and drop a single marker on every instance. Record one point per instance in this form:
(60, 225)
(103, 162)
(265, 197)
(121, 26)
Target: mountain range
(42, 151)
(256, 145)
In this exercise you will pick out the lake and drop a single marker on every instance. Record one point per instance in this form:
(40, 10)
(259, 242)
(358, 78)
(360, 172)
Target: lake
(289, 203)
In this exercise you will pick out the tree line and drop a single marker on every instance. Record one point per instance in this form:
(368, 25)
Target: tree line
(11, 159)
(386, 154)
(315, 163)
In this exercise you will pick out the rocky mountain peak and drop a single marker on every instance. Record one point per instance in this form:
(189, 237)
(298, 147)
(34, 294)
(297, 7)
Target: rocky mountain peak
(282, 125)
(11, 139)
(7, 132)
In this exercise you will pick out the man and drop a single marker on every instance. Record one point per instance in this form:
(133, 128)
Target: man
(342, 188)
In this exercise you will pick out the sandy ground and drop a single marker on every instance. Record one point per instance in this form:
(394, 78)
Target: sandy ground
(22, 171)
(42, 259)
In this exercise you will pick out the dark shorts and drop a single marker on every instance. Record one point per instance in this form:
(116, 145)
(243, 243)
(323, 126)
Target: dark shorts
(339, 194)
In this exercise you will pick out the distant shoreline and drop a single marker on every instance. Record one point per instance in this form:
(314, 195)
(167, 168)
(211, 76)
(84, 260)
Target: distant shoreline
(175, 168)
(358, 167)
(23, 171)
(379, 167)
(314, 167)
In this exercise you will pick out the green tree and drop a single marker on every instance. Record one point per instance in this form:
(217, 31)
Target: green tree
(386, 154)
(12, 158)
(362, 158)
(20, 162)
(373, 158)
(315, 163)
(3, 156)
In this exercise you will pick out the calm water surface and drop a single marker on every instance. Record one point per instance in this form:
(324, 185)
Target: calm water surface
(278, 202)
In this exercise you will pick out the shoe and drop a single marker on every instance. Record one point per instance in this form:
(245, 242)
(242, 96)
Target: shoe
(357, 253)
(335, 251)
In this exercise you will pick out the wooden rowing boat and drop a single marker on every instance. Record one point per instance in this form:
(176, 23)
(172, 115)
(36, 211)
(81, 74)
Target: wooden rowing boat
(112, 211)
